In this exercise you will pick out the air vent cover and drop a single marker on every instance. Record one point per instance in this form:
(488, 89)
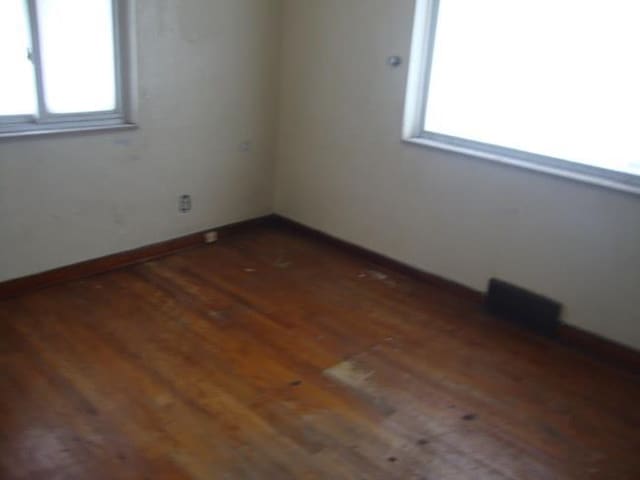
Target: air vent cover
(521, 307)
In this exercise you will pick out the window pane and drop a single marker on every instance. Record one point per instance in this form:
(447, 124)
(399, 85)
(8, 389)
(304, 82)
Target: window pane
(77, 51)
(556, 78)
(17, 84)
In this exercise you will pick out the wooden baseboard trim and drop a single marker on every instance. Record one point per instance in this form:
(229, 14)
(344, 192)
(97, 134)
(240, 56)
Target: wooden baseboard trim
(600, 349)
(21, 286)
(383, 261)
(592, 345)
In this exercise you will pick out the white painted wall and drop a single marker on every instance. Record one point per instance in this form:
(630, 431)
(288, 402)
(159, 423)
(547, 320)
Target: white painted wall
(343, 169)
(208, 73)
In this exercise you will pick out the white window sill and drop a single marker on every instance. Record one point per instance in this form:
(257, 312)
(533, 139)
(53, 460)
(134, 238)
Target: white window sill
(57, 130)
(584, 176)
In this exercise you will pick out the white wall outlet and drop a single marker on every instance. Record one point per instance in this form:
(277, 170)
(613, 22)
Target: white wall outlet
(184, 204)
(211, 237)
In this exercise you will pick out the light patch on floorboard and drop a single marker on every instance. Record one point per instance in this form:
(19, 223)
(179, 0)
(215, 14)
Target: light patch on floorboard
(360, 381)
(379, 276)
(282, 262)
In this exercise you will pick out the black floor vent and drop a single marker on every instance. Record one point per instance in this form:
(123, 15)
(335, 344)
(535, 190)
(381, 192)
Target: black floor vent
(523, 308)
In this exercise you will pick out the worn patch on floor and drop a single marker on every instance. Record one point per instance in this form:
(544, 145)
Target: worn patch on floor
(282, 262)
(379, 276)
(361, 381)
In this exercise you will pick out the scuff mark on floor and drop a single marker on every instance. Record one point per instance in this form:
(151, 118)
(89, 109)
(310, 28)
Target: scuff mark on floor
(378, 276)
(282, 262)
(362, 382)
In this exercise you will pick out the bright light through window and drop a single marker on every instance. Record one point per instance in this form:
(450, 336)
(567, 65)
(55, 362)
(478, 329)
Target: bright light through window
(558, 78)
(77, 51)
(17, 84)
(65, 65)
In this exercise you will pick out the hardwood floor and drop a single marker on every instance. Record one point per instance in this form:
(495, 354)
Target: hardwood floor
(272, 355)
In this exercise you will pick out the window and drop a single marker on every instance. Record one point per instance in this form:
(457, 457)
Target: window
(63, 64)
(552, 85)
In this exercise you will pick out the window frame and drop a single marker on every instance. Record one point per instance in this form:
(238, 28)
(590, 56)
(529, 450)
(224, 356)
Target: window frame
(420, 64)
(121, 117)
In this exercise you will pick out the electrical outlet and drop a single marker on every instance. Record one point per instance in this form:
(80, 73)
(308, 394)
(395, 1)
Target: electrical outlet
(184, 205)
(245, 146)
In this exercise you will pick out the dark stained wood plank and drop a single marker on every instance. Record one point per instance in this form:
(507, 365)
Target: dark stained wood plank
(275, 355)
